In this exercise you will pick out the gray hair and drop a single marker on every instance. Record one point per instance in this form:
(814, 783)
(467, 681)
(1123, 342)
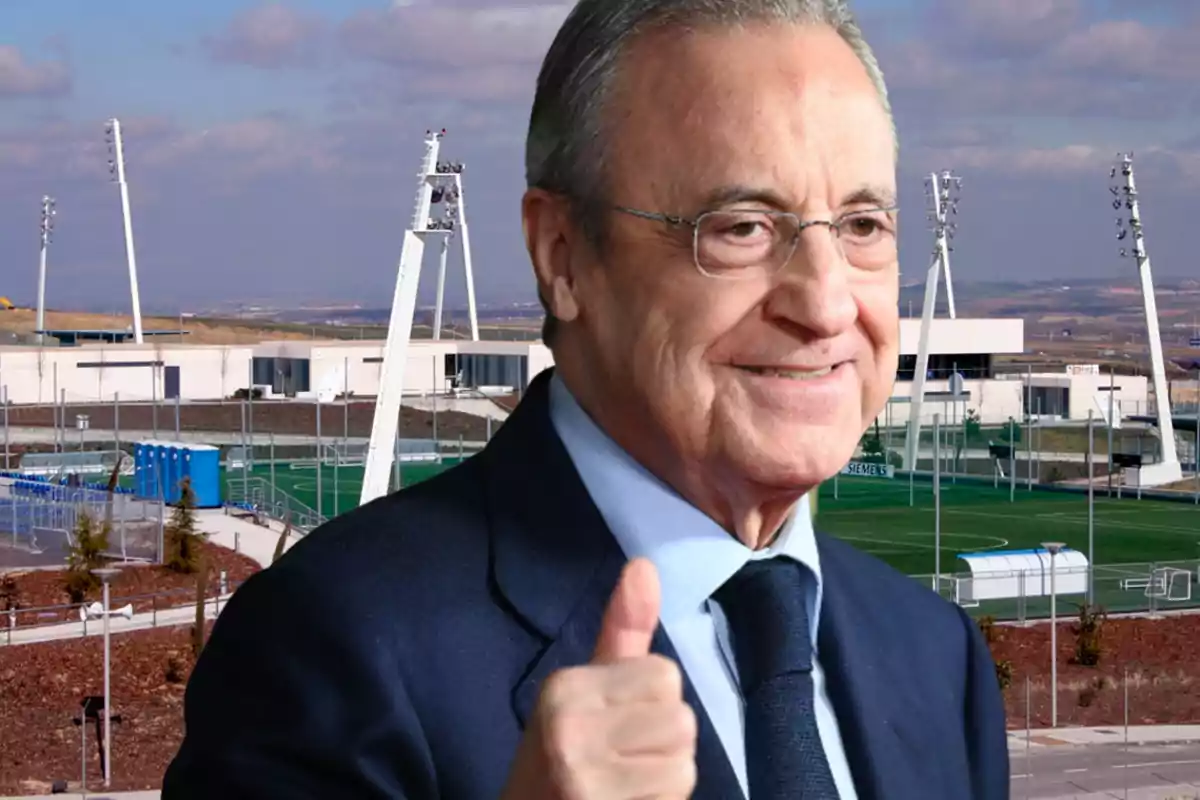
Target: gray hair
(565, 149)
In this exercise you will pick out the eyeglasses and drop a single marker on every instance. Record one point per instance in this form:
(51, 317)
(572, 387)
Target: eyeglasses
(738, 244)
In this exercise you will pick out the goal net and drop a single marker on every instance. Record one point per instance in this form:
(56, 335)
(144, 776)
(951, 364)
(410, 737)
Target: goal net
(1171, 584)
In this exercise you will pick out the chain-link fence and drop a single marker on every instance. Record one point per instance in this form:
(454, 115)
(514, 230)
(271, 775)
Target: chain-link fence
(1022, 595)
(39, 520)
(974, 503)
(1118, 729)
(25, 624)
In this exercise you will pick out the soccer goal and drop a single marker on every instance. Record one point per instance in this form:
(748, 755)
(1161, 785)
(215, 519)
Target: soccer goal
(1171, 584)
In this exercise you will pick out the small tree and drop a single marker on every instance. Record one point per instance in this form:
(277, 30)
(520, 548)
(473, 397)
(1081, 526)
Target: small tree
(1004, 674)
(972, 425)
(972, 431)
(10, 593)
(181, 540)
(1004, 668)
(872, 447)
(85, 554)
(1089, 631)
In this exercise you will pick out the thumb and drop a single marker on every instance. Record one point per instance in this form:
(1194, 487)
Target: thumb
(632, 614)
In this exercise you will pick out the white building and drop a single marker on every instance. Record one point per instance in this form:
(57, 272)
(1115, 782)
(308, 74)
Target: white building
(93, 373)
(164, 370)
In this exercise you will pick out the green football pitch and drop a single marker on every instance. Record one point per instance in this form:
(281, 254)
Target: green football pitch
(876, 516)
(896, 521)
(339, 488)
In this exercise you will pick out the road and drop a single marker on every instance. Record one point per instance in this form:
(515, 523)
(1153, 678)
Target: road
(1149, 772)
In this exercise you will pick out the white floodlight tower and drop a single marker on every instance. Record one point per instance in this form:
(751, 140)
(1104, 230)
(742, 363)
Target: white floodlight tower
(48, 214)
(943, 191)
(116, 166)
(437, 183)
(455, 221)
(1129, 226)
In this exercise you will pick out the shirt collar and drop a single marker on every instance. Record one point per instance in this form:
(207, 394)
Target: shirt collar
(693, 554)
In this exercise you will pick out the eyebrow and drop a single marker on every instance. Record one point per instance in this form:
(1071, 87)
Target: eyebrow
(865, 194)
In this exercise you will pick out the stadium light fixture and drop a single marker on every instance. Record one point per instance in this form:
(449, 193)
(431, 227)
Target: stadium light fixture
(1130, 233)
(942, 190)
(116, 168)
(446, 181)
(49, 212)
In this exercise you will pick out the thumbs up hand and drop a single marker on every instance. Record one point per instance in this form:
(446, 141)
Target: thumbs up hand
(617, 728)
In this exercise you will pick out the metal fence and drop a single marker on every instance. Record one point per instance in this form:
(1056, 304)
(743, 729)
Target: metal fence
(25, 624)
(1024, 595)
(38, 521)
(1095, 733)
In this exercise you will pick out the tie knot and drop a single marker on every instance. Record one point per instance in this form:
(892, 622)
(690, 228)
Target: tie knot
(765, 606)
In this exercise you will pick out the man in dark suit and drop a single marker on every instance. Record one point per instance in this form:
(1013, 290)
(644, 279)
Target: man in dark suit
(622, 596)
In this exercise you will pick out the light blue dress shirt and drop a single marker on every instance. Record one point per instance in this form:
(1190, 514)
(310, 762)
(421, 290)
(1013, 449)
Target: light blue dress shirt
(694, 557)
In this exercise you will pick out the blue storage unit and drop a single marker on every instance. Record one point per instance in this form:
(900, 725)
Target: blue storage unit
(160, 467)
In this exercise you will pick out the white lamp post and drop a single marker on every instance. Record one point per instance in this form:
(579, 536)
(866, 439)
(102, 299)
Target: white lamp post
(106, 575)
(1053, 548)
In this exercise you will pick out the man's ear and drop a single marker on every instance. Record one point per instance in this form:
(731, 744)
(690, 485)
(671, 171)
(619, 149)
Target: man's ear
(549, 238)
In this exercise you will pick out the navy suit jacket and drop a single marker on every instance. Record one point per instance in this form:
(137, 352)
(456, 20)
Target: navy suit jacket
(397, 652)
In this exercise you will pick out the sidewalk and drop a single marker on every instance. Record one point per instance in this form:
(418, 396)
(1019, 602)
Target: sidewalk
(1173, 791)
(1080, 737)
(225, 530)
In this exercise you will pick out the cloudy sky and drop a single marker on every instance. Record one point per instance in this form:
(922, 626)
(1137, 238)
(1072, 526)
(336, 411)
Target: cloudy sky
(272, 147)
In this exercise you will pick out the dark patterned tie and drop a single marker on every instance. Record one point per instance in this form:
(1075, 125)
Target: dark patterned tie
(768, 623)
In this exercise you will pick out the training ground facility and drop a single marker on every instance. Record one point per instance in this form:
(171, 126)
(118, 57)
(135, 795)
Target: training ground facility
(1142, 552)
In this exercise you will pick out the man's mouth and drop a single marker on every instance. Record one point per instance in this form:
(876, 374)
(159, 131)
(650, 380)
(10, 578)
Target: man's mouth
(790, 373)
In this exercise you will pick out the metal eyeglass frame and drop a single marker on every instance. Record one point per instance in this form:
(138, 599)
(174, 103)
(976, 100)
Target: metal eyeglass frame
(801, 226)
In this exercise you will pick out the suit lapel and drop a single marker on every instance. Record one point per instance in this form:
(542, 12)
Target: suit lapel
(556, 563)
(878, 720)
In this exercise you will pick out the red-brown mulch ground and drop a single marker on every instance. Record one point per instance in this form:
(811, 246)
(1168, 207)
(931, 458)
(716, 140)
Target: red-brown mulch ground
(43, 591)
(1159, 658)
(41, 686)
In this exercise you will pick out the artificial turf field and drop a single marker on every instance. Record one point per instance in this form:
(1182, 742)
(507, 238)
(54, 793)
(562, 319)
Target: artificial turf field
(874, 514)
(340, 488)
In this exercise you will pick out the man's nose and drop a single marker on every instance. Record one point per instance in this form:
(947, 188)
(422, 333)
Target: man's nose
(813, 290)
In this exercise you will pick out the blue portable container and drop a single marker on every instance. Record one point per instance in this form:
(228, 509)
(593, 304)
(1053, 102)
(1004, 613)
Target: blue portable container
(143, 471)
(160, 468)
(202, 464)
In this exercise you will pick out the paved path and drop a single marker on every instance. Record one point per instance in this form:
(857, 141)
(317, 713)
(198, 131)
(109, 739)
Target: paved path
(1160, 762)
(228, 531)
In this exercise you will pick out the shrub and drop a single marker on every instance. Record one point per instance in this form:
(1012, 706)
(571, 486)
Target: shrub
(10, 593)
(872, 447)
(1089, 693)
(987, 626)
(85, 554)
(176, 670)
(1004, 674)
(1089, 632)
(181, 540)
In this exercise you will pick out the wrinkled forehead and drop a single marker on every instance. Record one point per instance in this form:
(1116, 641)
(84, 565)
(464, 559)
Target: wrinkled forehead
(784, 107)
